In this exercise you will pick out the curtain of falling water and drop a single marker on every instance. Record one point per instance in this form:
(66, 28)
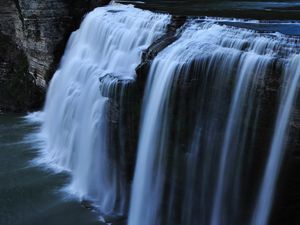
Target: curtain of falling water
(268, 187)
(110, 41)
(203, 106)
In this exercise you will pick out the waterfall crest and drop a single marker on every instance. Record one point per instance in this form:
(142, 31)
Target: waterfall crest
(214, 122)
(204, 122)
(110, 41)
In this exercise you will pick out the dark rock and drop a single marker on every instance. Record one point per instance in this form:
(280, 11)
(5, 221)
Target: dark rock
(107, 219)
(114, 220)
(40, 29)
(88, 205)
(98, 3)
(125, 101)
(18, 90)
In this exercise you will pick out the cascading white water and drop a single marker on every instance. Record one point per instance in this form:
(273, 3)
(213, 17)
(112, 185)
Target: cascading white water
(204, 184)
(252, 67)
(110, 41)
(265, 198)
(194, 142)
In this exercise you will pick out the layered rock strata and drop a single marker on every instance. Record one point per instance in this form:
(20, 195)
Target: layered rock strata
(40, 30)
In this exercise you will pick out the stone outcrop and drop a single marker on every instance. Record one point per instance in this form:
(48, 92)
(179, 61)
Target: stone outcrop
(125, 102)
(18, 90)
(40, 29)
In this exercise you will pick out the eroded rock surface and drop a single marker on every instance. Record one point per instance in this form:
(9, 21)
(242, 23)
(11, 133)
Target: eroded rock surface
(40, 29)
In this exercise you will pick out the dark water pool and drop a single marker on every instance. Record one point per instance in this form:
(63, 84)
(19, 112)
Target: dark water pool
(31, 195)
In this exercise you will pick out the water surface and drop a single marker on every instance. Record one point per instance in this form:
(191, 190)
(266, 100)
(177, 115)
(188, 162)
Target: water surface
(31, 195)
(263, 9)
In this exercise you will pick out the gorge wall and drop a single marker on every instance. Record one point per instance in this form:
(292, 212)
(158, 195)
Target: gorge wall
(39, 31)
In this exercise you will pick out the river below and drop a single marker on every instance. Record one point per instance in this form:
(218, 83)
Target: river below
(30, 194)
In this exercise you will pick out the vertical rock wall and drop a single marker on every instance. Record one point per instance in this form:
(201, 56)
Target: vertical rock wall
(40, 30)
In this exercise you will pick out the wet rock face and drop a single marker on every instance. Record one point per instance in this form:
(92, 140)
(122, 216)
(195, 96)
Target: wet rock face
(8, 17)
(18, 90)
(125, 103)
(41, 29)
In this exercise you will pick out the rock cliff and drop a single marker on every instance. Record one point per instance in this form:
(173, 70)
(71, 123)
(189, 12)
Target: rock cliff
(40, 30)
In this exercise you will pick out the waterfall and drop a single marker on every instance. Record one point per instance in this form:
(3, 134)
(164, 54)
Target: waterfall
(110, 40)
(206, 119)
(214, 123)
(264, 203)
